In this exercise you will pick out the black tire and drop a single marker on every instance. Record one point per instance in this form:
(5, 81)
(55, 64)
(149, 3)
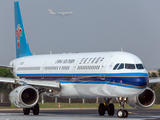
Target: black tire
(36, 109)
(111, 109)
(125, 113)
(26, 111)
(120, 113)
(101, 109)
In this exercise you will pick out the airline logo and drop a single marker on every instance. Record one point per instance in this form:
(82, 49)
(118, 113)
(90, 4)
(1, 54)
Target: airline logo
(18, 34)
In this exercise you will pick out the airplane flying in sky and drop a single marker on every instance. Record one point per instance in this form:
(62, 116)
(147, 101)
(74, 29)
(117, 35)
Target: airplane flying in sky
(60, 13)
(120, 75)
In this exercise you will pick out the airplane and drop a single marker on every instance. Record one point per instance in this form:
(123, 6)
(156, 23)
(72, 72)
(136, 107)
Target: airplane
(60, 13)
(118, 74)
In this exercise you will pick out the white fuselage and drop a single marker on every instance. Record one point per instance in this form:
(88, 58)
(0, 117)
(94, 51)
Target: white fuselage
(86, 75)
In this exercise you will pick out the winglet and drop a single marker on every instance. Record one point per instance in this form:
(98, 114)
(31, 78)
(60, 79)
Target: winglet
(22, 48)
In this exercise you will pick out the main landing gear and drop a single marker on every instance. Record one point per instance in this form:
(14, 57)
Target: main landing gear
(122, 113)
(35, 110)
(103, 107)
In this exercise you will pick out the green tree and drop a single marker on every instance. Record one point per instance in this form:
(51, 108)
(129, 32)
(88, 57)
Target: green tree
(153, 74)
(5, 73)
(149, 74)
(159, 72)
(153, 86)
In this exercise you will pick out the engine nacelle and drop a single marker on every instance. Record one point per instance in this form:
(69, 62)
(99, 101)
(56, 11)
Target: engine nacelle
(24, 96)
(144, 100)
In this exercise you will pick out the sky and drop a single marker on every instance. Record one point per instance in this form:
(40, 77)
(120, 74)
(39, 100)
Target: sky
(95, 26)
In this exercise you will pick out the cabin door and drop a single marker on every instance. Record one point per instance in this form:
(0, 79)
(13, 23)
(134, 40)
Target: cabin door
(75, 69)
(42, 70)
(103, 67)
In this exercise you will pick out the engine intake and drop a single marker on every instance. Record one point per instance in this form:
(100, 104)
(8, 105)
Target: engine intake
(24, 96)
(144, 100)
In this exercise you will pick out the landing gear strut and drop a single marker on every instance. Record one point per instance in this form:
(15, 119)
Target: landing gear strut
(35, 110)
(103, 107)
(122, 113)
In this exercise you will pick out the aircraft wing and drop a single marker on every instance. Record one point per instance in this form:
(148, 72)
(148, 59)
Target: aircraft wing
(37, 83)
(154, 80)
(6, 66)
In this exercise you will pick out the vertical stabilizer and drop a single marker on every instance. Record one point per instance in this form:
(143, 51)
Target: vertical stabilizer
(22, 48)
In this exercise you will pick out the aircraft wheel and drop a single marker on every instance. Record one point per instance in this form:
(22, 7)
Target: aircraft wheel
(125, 113)
(26, 111)
(36, 109)
(120, 113)
(111, 109)
(101, 109)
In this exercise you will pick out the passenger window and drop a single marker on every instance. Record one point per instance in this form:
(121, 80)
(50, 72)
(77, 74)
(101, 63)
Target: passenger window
(129, 66)
(139, 66)
(121, 66)
(115, 67)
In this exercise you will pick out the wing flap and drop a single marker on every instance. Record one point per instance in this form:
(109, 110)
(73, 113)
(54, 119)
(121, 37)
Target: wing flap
(46, 84)
(38, 83)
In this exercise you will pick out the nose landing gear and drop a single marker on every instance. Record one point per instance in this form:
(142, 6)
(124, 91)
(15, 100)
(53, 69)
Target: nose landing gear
(122, 113)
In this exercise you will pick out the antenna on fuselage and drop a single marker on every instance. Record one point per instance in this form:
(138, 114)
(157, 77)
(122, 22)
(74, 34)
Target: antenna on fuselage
(121, 49)
(50, 52)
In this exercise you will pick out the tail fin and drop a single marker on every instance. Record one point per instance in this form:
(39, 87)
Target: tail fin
(50, 11)
(22, 48)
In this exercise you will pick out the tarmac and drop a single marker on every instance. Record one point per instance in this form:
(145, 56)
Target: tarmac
(77, 114)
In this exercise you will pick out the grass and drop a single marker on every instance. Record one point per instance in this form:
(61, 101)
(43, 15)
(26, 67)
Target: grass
(86, 105)
(79, 105)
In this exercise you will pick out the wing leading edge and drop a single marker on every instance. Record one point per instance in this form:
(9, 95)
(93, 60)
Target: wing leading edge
(154, 80)
(38, 83)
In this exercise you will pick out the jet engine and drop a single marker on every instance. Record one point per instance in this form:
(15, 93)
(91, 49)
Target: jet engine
(144, 100)
(24, 96)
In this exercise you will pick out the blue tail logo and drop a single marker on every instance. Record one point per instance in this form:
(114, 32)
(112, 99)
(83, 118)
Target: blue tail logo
(22, 47)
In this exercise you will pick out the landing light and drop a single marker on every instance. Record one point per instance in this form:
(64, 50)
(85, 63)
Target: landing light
(50, 90)
(120, 98)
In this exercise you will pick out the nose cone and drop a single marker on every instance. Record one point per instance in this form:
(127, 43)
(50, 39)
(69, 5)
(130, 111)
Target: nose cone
(131, 80)
(138, 82)
(141, 81)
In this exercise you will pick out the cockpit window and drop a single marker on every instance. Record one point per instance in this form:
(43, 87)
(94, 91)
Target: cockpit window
(115, 67)
(121, 66)
(129, 66)
(139, 66)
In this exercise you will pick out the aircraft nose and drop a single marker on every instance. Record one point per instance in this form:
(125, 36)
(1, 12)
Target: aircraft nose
(136, 81)
(141, 81)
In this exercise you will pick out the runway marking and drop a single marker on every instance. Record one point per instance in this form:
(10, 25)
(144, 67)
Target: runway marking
(132, 113)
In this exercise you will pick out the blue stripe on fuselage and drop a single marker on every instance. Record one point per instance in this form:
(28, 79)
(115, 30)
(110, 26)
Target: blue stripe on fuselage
(89, 74)
(132, 80)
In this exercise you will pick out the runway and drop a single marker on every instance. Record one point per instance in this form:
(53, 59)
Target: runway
(78, 114)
